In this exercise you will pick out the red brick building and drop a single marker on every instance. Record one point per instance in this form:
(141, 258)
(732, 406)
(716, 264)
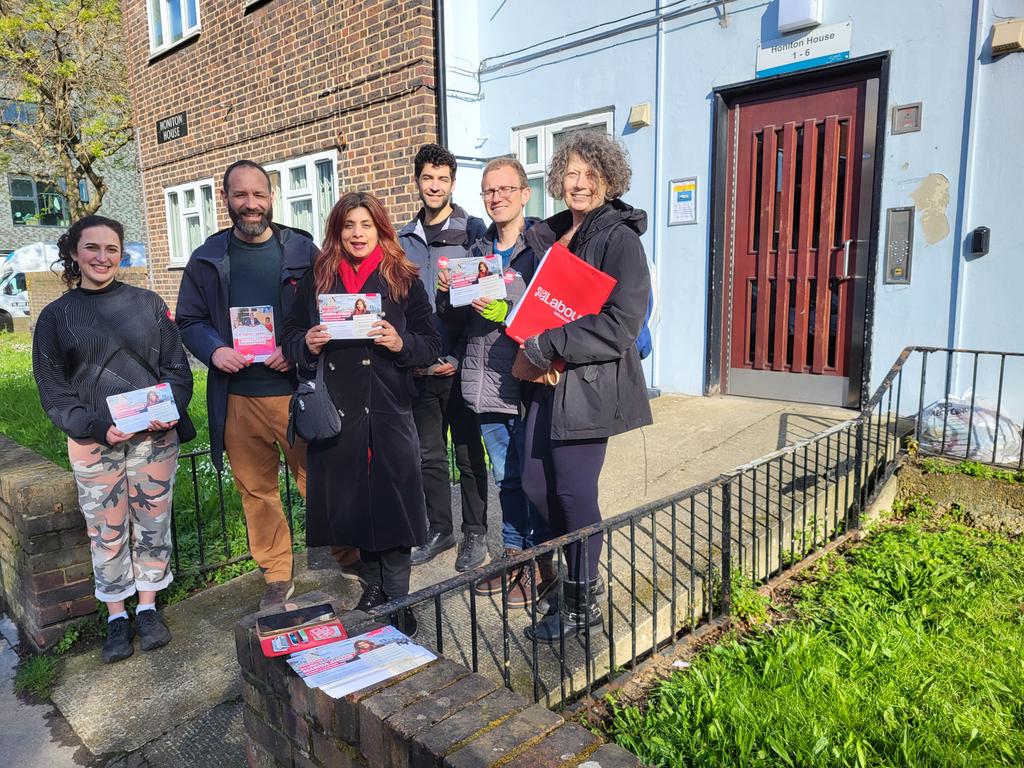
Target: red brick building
(329, 96)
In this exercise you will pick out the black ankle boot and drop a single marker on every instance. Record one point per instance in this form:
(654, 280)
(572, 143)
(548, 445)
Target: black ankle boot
(549, 603)
(580, 611)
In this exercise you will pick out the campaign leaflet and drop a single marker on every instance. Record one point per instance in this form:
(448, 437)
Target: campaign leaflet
(349, 315)
(252, 332)
(341, 668)
(473, 278)
(132, 411)
(563, 289)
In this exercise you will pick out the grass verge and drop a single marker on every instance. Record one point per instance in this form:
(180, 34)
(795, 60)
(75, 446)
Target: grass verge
(907, 651)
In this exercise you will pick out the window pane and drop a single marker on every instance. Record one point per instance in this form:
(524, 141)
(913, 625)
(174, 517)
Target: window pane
(190, 200)
(297, 178)
(209, 213)
(325, 193)
(174, 21)
(302, 214)
(174, 217)
(156, 16)
(83, 191)
(53, 211)
(192, 12)
(531, 150)
(536, 205)
(193, 232)
(275, 186)
(23, 212)
(23, 188)
(561, 136)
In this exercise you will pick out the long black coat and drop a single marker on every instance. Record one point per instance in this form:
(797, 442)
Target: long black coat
(373, 504)
(602, 392)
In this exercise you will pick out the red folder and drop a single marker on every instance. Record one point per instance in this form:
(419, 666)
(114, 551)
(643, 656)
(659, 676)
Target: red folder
(564, 288)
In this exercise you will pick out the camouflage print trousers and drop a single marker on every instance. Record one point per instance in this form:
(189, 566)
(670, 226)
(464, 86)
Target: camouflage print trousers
(125, 494)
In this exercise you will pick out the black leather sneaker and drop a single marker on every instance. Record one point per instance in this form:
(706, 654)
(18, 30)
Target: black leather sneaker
(436, 544)
(152, 631)
(472, 551)
(118, 645)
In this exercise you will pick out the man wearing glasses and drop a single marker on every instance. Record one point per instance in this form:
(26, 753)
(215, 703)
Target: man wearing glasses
(488, 386)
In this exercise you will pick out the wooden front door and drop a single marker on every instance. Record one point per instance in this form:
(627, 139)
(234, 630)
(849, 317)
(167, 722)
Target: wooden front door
(797, 223)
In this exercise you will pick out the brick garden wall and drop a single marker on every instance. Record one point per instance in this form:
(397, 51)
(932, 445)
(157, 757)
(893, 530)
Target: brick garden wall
(45, 568)
(283, 80)
(438, 715)
(44, 287)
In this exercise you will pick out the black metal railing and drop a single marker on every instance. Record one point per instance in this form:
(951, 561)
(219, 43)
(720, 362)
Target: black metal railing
(669, 565)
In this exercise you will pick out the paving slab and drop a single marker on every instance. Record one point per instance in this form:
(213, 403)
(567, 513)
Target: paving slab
(27, 739)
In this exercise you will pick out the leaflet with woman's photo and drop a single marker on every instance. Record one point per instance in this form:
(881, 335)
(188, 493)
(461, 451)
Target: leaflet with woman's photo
(133, 411)
(349, 315)
(341, 668)
(252, 332)
(473, 278)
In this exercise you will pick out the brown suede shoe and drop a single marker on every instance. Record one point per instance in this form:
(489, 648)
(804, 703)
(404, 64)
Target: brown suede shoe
(275, 594)
(348, 560)
(492, 586)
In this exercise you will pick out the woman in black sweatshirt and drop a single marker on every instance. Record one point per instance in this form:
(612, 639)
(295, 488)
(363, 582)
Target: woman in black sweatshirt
(105, 338)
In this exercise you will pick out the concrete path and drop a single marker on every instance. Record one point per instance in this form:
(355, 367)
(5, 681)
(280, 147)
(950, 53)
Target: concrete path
(31, 734)
(179, 705)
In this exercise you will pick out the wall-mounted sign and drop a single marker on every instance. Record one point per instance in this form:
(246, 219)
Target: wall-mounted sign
(682, 205)
(171, 128)
(814, 48)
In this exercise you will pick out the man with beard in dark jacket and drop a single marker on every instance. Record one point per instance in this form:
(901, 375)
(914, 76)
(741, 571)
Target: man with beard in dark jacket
(255, 263)
(441, 231)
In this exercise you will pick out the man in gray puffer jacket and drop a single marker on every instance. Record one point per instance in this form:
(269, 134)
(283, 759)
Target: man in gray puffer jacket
(489, 389)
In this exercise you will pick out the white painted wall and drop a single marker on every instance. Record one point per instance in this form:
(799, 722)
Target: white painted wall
(676, 66)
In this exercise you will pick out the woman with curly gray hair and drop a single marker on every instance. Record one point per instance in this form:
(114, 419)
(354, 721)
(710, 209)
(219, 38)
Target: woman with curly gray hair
(602, 391)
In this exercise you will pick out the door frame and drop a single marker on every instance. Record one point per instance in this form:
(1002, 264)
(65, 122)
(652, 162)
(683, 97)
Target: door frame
(724, 97)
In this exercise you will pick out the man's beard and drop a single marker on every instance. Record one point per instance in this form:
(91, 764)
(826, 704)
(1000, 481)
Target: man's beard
(250, 228)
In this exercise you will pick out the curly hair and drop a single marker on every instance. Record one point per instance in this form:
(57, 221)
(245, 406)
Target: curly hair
(603, 154)
(435, 154)
(67, 244)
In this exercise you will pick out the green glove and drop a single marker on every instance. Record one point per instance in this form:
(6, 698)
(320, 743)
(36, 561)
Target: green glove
(496, 311)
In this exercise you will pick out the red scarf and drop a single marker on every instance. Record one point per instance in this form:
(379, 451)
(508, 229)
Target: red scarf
(354, 278)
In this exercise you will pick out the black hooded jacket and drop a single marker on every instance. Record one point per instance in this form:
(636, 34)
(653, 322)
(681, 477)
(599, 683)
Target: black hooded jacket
(602, 392)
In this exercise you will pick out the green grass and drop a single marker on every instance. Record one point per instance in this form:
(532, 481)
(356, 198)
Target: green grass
(908, 652)
(22, 419)
(36, 675)
(971, 468)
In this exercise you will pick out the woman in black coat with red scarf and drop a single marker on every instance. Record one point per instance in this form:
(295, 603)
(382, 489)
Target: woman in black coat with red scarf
(364, 486)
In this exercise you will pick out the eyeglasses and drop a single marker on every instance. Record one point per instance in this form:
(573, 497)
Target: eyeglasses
(503, 192)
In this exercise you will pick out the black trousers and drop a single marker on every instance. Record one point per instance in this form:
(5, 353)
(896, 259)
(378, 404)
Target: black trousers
(560, 478)
(437, 408)
(388, 569)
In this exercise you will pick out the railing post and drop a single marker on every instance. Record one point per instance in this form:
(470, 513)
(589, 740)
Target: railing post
(860, 472)
(727, 548)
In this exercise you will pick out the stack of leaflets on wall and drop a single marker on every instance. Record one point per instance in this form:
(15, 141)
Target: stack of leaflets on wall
(252, 332)
(344, 667)
(563, 289)
(299, 629)
(474, 278)
(349, 315)
(133, 411)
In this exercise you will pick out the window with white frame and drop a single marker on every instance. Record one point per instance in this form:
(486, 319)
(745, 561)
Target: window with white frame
(191, 218)
(534, 146)
(170, 22)
(305, 189)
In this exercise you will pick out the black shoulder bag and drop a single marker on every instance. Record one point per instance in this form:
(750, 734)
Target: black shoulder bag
(311, 412)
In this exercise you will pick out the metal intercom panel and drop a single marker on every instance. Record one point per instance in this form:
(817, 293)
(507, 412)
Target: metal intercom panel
(899, 244)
